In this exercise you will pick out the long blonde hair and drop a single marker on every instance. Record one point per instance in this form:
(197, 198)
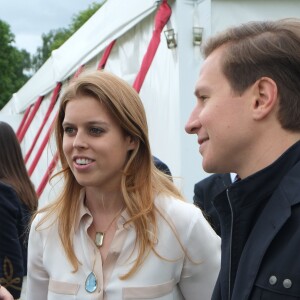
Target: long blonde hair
(141, 180)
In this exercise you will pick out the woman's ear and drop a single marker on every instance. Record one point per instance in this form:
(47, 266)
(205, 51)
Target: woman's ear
(266, 98)
(132, 142)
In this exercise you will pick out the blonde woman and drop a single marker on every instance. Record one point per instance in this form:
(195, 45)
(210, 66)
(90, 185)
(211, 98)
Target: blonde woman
(119, 229)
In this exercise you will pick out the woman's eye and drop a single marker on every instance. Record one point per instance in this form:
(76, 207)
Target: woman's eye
(69, 130)
(96, 131)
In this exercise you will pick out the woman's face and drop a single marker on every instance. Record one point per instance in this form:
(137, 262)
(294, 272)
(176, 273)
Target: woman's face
(94, 144)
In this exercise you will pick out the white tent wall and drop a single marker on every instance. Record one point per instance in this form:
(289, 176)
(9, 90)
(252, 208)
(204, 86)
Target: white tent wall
(227, 13)
(161, 93)
(188, 15)
(167, 92)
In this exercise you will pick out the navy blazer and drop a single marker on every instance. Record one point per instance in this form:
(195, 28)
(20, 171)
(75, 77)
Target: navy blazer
(205, 191)
(13, 240)
(269, 268)
(161, 166)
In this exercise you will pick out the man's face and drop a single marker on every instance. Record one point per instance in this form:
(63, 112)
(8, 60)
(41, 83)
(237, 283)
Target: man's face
(221, 119)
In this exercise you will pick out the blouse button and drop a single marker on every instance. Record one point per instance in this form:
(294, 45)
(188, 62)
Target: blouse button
(287, 283)
(273, 280)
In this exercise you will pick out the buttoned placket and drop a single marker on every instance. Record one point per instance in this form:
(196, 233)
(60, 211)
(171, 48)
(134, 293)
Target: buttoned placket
(103, 270)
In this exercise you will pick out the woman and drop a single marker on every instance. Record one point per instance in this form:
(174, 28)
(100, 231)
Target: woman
(18, 201)
(119, 229)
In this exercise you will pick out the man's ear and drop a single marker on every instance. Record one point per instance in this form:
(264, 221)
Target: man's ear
(266, 98)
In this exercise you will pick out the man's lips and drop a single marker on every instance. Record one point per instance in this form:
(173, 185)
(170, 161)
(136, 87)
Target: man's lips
(202, 140)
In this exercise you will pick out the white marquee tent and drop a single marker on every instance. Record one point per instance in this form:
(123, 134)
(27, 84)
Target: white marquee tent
(167, 92)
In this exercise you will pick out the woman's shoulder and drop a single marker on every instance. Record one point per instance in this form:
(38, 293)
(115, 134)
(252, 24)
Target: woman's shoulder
(8, 197)
(44, 221)
(186, 218)
(176, 208)
(6, 188)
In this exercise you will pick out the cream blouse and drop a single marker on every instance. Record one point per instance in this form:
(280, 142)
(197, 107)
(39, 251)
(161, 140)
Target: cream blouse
(191, 275)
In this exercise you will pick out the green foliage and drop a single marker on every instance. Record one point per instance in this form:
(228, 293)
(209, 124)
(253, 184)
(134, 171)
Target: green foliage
(13, 65)
(55, 38)
(16, 65)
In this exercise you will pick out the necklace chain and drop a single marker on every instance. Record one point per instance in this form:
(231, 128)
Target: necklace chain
(99, 239)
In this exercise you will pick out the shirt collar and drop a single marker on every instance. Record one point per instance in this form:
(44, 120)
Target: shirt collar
(84, 211)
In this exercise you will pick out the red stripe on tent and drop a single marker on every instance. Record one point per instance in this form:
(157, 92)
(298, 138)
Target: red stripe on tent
(105, 56)
(162, 16)
(50, 108)
(54, 161)
(80, 69)
(47, 175)
(23, 120)
(41, 149)
(36, 106)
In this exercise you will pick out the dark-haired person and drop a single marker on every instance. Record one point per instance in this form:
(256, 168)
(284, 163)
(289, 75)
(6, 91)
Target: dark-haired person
(18, 202)
(247, 119)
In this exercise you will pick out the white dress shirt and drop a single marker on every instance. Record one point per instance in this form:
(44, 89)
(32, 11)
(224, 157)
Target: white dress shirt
(189, 275)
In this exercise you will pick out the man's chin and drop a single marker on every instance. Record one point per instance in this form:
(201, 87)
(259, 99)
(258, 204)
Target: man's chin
(209, 167)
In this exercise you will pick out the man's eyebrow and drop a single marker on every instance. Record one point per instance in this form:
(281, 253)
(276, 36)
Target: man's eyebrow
(200, 91)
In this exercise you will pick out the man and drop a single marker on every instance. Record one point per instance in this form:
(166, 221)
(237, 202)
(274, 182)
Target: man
(247, 119)
(205, 191)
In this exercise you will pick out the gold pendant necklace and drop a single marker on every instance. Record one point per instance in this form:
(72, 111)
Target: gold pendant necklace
(99, 238)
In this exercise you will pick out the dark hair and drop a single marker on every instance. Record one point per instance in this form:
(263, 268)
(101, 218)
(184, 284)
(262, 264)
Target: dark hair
(13, 170)
(264, 49)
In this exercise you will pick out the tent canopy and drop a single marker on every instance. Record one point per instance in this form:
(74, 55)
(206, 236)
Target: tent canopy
(167, 92)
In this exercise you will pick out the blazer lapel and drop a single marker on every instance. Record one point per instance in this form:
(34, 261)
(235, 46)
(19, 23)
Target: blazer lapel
(272, 218)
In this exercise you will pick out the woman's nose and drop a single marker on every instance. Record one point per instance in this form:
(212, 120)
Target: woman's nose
(80, 141)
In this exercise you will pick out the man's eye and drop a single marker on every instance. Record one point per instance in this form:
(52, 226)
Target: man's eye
(203, 98)
(96, 130)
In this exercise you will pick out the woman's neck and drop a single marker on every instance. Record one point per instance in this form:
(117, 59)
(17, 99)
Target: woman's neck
(106, 202)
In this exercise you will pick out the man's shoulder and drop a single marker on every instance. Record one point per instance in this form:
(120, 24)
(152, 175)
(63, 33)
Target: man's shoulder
(214, 180)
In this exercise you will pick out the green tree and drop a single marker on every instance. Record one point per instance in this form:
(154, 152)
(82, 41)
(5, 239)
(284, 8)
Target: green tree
(55, 38)
(13, 65)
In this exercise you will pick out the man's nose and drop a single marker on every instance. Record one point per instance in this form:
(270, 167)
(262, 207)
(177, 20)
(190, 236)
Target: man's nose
(193, 123)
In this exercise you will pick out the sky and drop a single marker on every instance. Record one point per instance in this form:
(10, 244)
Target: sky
(29, 19)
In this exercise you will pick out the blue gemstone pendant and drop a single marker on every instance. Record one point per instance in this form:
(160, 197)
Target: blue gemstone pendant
(91, 283)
